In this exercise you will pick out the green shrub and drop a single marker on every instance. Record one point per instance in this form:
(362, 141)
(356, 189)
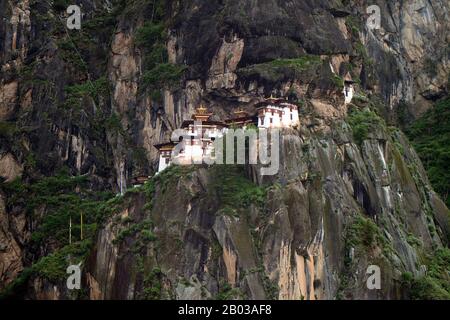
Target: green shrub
(63, 197)
(95, 90)
(61, 5)
(153, 287)
(362, 122)
(364, 232)
(53, 267)
(158, 74)
(435, 284)
(141, 230)
(7, 129)
(430, 136)
(234, 189)
(227, 292)
(150, 33)
(163, 76)
(354, 25)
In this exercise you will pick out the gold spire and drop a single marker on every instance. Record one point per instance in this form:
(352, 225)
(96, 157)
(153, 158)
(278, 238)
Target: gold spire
(201, 114)
(201, 110)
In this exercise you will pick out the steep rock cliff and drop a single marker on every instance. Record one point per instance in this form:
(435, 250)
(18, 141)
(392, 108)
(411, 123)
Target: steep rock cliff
(94, 101)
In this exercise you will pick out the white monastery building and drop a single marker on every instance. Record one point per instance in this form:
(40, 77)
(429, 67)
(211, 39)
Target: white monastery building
(277, 113)
(198, 134)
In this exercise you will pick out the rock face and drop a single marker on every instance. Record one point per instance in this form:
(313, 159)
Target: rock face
(10, 250)
(9, 168)
(85, 101)
(300, 244)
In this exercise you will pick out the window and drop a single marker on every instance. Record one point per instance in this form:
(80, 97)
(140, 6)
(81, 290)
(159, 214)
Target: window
(292, 117)
(167, 160)
(271, 120)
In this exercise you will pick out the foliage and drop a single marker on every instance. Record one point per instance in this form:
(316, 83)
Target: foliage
(159, 73)
(61, 5)
(17, 284)
(227, 292)
(163, 76)
(69, 52)
(7, 129)
(153, 287)
(364, 232)
(150, 33)
(63, 197)
(363, 122)
(430, 136)
(52, 201)
(113, 123)
(95, 90)
(234, 190)
(53, 267)
(354, 25)
(337, 81)
(141, 230)
(300, 64)
(435, 285)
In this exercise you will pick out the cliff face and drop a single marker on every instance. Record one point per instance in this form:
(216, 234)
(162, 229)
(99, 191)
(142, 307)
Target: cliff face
(334, 209)
(351, 192)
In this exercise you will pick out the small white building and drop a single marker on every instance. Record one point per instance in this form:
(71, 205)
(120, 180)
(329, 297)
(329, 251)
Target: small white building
(349, 89)
(277, 113)
(165, 155)
(196, 142)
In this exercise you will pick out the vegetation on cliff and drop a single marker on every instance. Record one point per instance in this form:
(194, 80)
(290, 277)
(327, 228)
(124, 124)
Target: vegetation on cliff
(159, 73)
(435, 285)
(52, 203)
(430, 136)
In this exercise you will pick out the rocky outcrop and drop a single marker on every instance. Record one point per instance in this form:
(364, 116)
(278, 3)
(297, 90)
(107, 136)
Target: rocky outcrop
(9, 168)
(409, 35)
(77, 101)
(334, 209)
(8, 96)
(10, 250)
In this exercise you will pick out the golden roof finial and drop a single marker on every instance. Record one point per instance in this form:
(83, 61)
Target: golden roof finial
(201, 110)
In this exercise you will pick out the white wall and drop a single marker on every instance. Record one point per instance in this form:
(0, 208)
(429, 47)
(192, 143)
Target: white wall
(349, 91)
(162, 163)
(279, 121)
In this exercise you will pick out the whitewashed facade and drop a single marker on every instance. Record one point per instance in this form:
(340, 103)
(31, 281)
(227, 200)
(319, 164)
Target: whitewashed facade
(276, 113)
